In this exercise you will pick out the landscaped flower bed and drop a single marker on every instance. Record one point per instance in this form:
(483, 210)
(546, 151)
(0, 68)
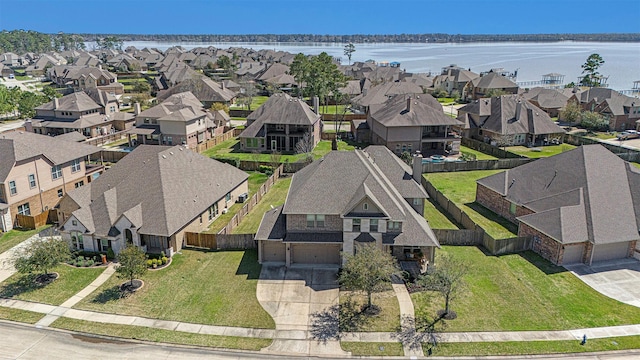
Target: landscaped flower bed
(155, 261)
(87, 259)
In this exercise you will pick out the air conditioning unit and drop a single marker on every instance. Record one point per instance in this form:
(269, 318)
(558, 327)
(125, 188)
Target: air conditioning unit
(225, 210)
(242, 197)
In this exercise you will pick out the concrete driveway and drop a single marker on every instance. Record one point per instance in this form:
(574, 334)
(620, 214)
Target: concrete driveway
(617, 279)
(292, 296)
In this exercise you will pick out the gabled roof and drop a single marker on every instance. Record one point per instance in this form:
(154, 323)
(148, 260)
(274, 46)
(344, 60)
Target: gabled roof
(273, 70)
(308, 193)
(173, 103)
(203, 88)
(381, 93)
(607, 187)
(280, 109)
(493, 80)
(547, 98)
(18, 146)
(78, 101)
(161, 188)
(401, 111)
(510, 114)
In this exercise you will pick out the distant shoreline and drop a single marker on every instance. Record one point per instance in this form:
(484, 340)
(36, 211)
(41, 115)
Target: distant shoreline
(363, 39)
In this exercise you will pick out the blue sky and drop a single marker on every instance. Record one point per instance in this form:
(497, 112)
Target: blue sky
(321, 16)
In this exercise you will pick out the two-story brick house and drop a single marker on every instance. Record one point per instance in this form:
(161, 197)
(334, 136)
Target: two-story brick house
(345, 199)
(180, 119)
(36, 171)
(150, 199)
(411, 124)
(280, 124)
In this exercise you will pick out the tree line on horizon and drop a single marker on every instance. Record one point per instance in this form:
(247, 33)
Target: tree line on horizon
(22, 41)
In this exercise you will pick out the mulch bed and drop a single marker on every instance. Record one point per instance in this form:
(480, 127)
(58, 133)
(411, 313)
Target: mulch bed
(46, 279)
(131, 287)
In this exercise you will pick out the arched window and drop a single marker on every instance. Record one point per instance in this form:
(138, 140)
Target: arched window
(128, 236)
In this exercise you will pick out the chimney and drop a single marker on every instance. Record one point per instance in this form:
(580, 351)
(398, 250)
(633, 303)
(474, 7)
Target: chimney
(100, 66)
(56, 103)
(417, 167)
(136, 109)
(316, 104)
(518, 109)
(408, 104)
(28, 126)
(222, 84)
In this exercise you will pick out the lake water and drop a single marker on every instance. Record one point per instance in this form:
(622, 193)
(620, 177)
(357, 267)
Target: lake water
(532, 60)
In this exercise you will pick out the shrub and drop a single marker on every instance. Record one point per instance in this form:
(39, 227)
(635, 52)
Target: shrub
(110, 254)
(154, 262)
(80, 263)
(162, 254)
(165, 260)
(267, 170)
(149, 263)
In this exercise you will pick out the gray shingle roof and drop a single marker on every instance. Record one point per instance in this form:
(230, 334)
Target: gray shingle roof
(19, 146)
(78, 101)
(591, 177)
(401, 111)
(279, 109)
(170, 185)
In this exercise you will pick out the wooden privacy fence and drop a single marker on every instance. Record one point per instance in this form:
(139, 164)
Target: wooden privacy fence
(105, 139)
(221, 241)
(489, 149)
(472, 234)
(625, 153)
(108, 156)
(430, 167)
(32, 222)
(215, 141)
(253, 201)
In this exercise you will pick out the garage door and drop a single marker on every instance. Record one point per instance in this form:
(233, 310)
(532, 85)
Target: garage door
(315, 254)
(610, 251)
(572, 254)
(273, 251)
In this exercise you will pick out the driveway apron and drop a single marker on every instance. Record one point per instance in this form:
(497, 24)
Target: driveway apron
(293, 296)
(617, 279)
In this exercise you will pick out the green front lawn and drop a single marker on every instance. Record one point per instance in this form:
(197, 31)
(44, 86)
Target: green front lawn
(275, 197)
(636, 165)
(388, 320)
(331, 109)
(71, 281)
(520, 292)
(160, 335)
(479, 155)
(460, 187)
(204, 287)
(436, 216)
(534, 347)
(16, 236)
(23, 316)
(372, 349)
(256, 101)
(230, 149)
(540, 151)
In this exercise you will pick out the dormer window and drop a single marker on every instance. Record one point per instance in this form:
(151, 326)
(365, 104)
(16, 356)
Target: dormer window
(365, 206)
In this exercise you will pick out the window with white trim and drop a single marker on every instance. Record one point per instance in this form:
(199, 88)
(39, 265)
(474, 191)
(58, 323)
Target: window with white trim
(24, 209)
(373, 225)
(56, 172)
(75, 165)
(394, 226)
(315, 220)
(365, 206)
(213, 211)
(12, 188)
(32, 181)
(355, 225)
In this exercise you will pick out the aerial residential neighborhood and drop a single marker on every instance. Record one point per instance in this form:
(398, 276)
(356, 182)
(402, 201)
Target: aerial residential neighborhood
(319, 196)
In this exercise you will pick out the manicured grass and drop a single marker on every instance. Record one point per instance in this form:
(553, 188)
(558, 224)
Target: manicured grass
(520, 292)
(436, 217)
(16, 236)
(23, 316)
(230, 149)
(331, 109)
(22, 78)
(71, 281)
(602, 135)
(372, 349)
(479, 155)
(256, 101)
(445, 100)
(534, 347)
(275, 197)
(215, 287)
(159, 335)
(636, 165)
(256, 179)
(388, 320)
(545, 151)
(460, 187)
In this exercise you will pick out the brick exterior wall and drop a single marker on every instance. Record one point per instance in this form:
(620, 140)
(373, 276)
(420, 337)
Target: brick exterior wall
(498, 204)
(297, 222)
(542, 244)
(49, 200)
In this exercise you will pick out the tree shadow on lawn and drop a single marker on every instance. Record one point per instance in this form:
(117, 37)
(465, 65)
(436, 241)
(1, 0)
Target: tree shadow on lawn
(348, 316)
(25, 284)
(110, 294)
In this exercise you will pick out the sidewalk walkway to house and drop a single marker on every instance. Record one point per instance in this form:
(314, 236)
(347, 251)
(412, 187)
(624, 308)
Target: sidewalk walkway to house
(6, 268)
(316, 288)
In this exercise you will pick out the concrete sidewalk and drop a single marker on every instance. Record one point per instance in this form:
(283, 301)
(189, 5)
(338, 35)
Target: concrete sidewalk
(6, 268)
